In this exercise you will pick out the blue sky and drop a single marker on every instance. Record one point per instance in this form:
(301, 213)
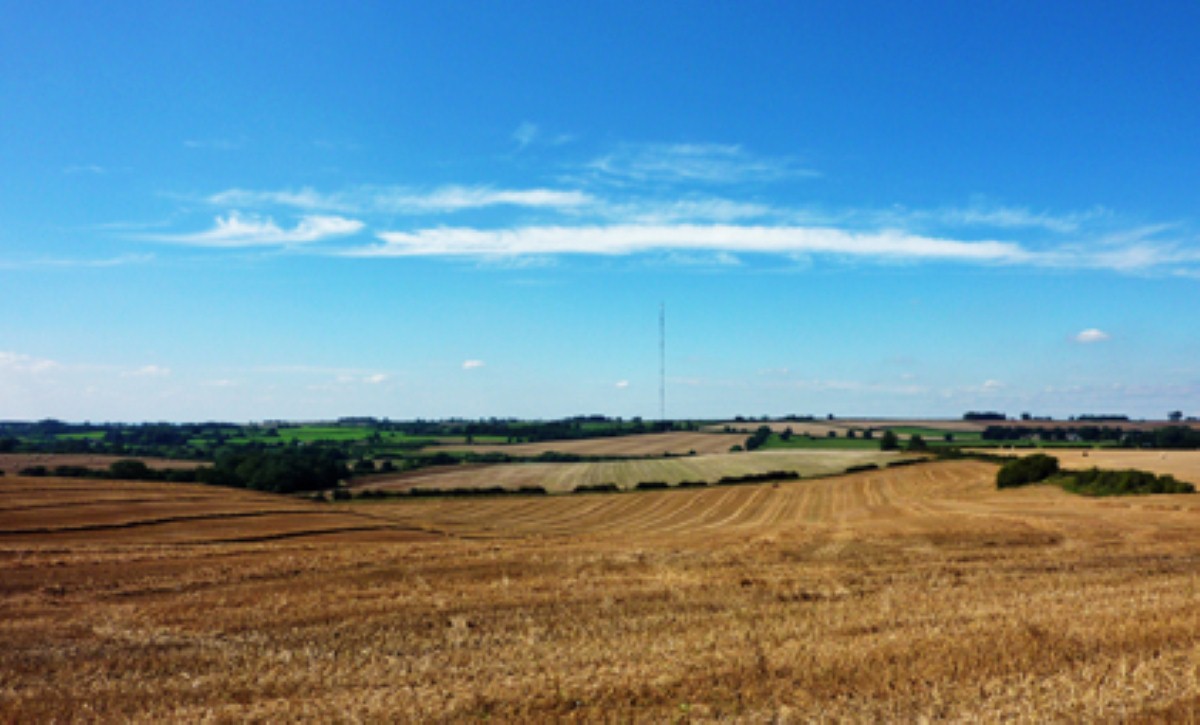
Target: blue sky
(244, 211)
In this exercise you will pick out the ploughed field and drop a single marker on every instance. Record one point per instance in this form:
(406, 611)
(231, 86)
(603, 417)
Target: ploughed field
(566, 477)
(906, 593)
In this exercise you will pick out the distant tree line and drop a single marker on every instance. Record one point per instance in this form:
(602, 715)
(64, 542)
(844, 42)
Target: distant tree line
(984, 415)
(1169, 437)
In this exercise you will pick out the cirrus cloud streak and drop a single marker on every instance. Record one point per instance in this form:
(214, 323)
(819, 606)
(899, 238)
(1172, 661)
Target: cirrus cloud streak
(236, 230)
(633, 239)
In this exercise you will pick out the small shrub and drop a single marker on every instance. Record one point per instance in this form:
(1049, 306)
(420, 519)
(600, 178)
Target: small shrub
(651, 485)
(691, 484)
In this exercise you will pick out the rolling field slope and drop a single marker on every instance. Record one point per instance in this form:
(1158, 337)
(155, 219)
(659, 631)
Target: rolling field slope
(913, 593)
(564, 477)
(54, 511)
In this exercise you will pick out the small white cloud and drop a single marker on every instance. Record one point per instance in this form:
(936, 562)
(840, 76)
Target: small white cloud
(992, 385)
(238, 231)
(472, 364)
(525, 134)
(622, 384)
(149, 371)
(375, 379)
(1092, 335)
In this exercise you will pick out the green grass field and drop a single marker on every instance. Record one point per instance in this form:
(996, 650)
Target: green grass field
(90, 436)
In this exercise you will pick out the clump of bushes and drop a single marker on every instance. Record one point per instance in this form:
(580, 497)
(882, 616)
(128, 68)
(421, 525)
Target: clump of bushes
(759, 477)
(692, 484)
(597, 488)
(651, 485)
(1096, 482)
(862, 467)
(1027, 470)
(458, 492)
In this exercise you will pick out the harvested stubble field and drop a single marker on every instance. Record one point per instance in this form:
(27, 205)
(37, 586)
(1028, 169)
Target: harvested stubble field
(646, 444)
(565, 477)
(916, 592)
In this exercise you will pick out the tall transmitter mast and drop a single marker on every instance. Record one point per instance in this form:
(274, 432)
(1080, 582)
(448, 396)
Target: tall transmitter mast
(662, 363)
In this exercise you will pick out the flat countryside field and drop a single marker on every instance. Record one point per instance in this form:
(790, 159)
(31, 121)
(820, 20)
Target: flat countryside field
(918, 592)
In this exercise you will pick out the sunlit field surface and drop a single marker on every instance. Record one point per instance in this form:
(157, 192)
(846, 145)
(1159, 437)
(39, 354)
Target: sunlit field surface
(914, 592)
(565, 477)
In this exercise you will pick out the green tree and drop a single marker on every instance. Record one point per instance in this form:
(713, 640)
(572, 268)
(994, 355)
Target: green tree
(916, 443)
(889, 441)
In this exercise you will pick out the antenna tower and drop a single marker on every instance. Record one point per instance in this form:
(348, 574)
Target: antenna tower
(662, 363)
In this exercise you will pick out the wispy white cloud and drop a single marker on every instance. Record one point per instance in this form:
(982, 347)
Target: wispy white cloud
(14, 362)
(633, 239)
(235, 231)
(304, 198)
(457, 198)
(1091, 336)
(621, 384)
(795, 242)
(994, 216)
(525, 134)
(94, 169)
(528, 134)
(402, 200)
(63, 263)
(696, 163)
(695, 210)
(149, 371)
(472, 364)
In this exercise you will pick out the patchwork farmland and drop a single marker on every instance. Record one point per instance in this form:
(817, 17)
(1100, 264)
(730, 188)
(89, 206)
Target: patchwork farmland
(918, 592)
